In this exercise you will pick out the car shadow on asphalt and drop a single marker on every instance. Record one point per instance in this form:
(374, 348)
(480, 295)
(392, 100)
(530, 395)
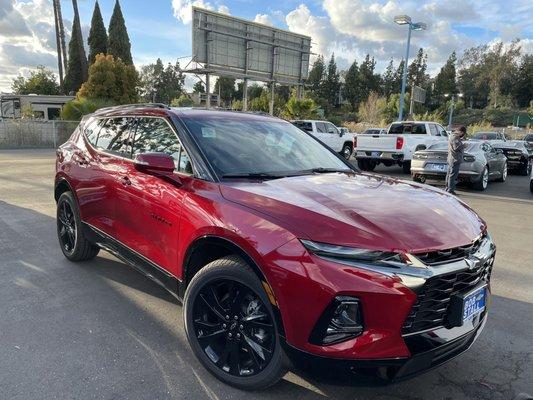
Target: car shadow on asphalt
(100, 328)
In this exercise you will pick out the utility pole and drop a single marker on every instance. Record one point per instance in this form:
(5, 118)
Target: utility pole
(58, 44)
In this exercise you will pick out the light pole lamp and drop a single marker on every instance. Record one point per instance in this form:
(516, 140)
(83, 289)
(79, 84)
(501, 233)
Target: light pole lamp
(413, 26)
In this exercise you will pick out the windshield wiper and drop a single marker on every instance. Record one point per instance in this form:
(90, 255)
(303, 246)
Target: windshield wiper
(323, 170)
(254, 175)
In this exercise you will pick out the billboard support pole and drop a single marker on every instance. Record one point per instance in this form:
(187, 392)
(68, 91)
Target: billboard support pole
(272, 94)
(207, 91)
(245, 95)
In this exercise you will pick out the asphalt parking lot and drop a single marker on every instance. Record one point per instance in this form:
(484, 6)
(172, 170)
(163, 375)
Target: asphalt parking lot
(100, 330)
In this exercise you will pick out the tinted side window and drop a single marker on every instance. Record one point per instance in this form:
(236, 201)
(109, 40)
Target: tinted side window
(114, 136)
(92, 129)
(155, 135)
(321, 127)
(305, 126)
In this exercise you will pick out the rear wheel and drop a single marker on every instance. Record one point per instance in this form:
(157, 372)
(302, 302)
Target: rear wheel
(230, 325)
(483, 182)
(419, 178)
(362, 164)
(525, 169)
(406, 167)
(73, 243)
(503, 178)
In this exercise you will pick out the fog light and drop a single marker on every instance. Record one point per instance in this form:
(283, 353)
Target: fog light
(342, 320)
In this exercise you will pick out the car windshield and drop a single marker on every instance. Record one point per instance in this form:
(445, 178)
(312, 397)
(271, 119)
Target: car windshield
(487, 136)
(255, 145)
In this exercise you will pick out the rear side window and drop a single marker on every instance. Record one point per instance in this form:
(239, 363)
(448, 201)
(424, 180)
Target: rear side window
(92, 129)
(114, 136)
(156, 135)
(407, 128)
(304, 125)
(321, 127)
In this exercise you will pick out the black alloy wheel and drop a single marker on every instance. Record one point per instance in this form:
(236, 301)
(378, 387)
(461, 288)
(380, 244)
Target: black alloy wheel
(66, 226)
(233, 328)
(230, 325)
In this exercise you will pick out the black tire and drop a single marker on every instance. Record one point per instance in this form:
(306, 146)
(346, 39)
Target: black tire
(406, 167)
(482, 184)
(525, 169)
(503, 178)
(73, 243)
(531, 185)
(419, 179)
(371, 166)
(233, 271)
(346, 151)
(362, 164)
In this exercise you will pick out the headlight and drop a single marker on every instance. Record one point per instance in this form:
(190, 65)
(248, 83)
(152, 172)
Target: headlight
(469, 158)
(349, 253)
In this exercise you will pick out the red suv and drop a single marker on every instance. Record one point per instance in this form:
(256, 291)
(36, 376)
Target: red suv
(280, 249)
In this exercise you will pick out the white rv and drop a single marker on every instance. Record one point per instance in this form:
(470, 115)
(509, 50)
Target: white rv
(43, 107)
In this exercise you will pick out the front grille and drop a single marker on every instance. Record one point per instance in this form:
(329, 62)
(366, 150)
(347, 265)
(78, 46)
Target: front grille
(431, 307)
(445, 256)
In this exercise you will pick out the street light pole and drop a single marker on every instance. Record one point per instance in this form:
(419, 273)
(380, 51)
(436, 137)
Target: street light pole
(404, 74)
(413, 26)
(452, 106)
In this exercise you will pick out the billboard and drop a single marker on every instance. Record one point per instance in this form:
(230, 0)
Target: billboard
(231, 46)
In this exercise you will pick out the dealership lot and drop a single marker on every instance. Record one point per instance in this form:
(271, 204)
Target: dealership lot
(101, 330)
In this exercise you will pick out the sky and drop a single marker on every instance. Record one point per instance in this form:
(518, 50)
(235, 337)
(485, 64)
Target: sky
(348, 28)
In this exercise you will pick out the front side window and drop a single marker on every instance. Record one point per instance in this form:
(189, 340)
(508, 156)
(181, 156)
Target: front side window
(321, 127)
(332, 128)
(92, 129)
(235, 144)
(154, 135)
(114, 136)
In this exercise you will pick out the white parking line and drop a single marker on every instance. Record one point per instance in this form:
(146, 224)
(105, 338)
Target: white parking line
(491, 197)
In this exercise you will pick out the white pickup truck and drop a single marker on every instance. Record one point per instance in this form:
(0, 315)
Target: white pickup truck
(329, 134)
(396, 147)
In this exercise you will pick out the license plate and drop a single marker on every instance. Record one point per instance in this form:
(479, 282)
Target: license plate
(376, 154)
(474, 304)
(437, 167)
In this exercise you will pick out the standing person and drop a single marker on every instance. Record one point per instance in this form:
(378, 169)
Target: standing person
(455, 158)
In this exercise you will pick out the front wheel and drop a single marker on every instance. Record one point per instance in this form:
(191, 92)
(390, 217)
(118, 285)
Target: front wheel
(503, 178)
(346, 151)
(230, 325)
(73, 243)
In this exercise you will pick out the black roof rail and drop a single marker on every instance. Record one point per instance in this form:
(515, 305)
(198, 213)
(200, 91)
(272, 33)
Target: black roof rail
(130, 106)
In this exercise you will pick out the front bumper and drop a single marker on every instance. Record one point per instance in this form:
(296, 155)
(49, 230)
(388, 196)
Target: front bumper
(428, 350)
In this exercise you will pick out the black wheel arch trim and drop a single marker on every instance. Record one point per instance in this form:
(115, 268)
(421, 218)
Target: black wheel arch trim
(236, 249)
(59, 181)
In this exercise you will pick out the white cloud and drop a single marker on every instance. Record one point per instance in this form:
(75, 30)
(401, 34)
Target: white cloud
(264, 19)
(182, 9)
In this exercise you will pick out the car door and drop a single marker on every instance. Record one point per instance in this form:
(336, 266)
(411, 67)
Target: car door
(493, 160)
(321, 132)
(149, 212)
(101, 161)
(335, 140)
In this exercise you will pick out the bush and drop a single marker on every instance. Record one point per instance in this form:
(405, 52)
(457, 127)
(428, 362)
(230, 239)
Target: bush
(300, 109)
(182, 101)
(75, 109)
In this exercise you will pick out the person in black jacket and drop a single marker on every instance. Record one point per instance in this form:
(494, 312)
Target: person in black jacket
(455, 158)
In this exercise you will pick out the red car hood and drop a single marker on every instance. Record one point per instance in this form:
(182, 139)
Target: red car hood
(361, 210)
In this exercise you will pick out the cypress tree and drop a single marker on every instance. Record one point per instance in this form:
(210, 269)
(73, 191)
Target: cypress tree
(76, 60)
(118, 44)
(97, 35)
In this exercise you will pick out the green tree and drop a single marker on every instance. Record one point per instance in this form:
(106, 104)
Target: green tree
(225, 86)
(351, 85)
(97, 35)
(75, 109)
(445, 81)
(316, 75)
(523, 86)
(161, 84)
(40, 81)
(417, 70)
(112, 80)
(77, 61)
(331, 84)
(304, 108)
(198, 87)
(369, 81)
(254, 91)
(119, 42)
(389, 80)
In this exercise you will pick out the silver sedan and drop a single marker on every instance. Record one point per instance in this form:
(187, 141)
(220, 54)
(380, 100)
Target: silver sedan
(481, 164)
